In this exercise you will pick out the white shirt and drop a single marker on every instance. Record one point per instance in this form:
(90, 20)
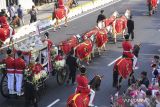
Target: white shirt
(12, 11)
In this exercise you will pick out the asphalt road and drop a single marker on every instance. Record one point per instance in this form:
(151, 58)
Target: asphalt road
(146, 32)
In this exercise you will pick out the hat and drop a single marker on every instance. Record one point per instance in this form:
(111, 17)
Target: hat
(83, 69)
(9, 51)
(102, 11)
(19, 53)
(153, 65)
(46, 34)
(126, 37)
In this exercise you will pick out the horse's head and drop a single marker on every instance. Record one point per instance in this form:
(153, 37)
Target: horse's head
(136, 49)
(115, 14)
(96, 82)
(79, 38)
(127, 13)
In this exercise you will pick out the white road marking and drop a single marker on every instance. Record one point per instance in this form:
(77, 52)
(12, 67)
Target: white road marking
(106, 5)
(114, 61)
(53, 103)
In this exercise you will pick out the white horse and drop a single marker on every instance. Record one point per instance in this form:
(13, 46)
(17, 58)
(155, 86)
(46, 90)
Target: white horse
(123, 20)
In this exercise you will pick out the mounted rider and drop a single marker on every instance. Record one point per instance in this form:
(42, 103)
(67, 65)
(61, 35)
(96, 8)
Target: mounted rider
(9, 61)
(127, 50)
(19, 69)
(83, 86)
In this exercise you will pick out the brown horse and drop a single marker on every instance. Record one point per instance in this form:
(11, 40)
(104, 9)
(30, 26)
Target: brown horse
(81, 99)
(123, 69)
(98, 37)
(67, 45)
(83, 51)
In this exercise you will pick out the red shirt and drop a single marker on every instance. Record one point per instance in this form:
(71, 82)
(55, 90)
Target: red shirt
(3, 22)
(127, 49)
(82, 84)
(19, 65)
(9, 61)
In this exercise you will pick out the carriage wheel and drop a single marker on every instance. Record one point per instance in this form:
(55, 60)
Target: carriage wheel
(61, 76)
(4, 86)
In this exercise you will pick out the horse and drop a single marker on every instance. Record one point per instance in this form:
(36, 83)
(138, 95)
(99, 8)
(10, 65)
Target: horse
(60, 13)
(82, 99)
(124, 68)
(67, 45)
(83, 51)
(106, 23)
(99, 39)
(119, 25)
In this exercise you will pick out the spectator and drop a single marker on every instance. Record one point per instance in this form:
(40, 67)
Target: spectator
(20, 14)
(75, 2)
(101, 17)
(156, 61)
(154, 73)
(144, 79)
(33, 14)
(11, 11)
(130, 26)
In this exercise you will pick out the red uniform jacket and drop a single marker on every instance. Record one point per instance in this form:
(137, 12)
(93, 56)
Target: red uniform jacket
(19, 65)
(127, 49)
(82, 84)
(37, 68)
(3, 22)
(9, 61)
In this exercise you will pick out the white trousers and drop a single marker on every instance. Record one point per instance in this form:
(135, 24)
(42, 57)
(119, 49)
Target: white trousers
(134, 61)
(10, 31)
(92, 94)
(10, 77)
(19, 78)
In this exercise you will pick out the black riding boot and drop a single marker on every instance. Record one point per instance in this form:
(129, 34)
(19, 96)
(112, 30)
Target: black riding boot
(115, 78)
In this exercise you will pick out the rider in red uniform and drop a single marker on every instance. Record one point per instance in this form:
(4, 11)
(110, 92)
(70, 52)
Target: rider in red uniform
(19, 68)
(83, 86)
(127, 50)
(9, 61)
